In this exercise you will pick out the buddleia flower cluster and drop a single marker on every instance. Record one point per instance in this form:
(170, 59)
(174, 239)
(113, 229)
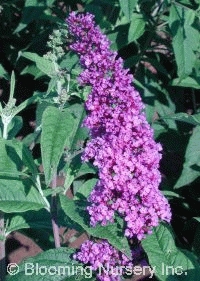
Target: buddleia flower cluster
(122, 146)
(104, 259)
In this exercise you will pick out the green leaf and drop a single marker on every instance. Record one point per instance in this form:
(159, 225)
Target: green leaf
(85, 188)
(158, 129)
(70, 175)
(119, 36)
(10, 162)
(30, 219)
(75, 168)
(171, 194)
(32, 70)
(52, 265)
(86, 168)
(58, 128)
(157, 99)
(78, 134)
(52, 85)
(14, 155)
(137, 27)
(96, 10)
(131, 61)
(37, 96)
(53, 191)
(197, 218)
(31, 139)
(19, 196)
(33, 9)
(14, 126)
(41, 107)
(188, 82)
(184, 117)
(148, 99)
(12, 86)
(185, 39)
(127, 7)
(169, 262)
(168, 109)
(191, 168)
(3, 72)
(76, 211)
(69, 61)
(42, 63)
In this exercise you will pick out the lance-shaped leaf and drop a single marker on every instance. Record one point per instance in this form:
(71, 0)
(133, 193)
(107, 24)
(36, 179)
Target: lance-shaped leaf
(184, 117)
(77, 139)
(86, 188)
(137, 27)
(76, 168)
(57, 130)
(3, 72)
(13, 156)
(127, 7)
(191, 167)
(42, 63)
(185, 39)
(17, 194)
(188, 82)
(169, 262)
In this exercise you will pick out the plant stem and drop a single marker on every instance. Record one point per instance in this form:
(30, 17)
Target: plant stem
(54, 218)
(2, 249)
(5, 130)
(2, 228)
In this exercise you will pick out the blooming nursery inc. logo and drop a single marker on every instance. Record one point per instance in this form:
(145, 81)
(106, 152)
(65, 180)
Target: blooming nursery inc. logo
(121, 146)
(36, 269)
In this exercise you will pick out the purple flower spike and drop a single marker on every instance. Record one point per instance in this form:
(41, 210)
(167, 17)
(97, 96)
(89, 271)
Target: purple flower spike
(122, 144)
(104, 259)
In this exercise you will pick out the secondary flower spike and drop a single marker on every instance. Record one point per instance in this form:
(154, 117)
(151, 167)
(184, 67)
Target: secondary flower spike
(103, 255)
(122, 144)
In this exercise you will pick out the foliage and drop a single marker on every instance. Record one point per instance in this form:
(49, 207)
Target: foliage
(42, 109)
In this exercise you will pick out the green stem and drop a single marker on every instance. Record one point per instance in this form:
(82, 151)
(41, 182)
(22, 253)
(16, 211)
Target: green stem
(2, 227)
(5, 130)
(54, 217)
(2, 249)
